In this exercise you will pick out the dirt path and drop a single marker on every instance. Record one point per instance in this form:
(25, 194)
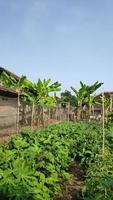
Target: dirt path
(71, 190)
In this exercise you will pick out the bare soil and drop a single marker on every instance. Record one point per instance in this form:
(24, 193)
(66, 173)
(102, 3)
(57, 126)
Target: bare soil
(71, 190)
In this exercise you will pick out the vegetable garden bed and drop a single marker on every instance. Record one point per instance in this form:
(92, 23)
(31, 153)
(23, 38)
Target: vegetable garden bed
(35, 164)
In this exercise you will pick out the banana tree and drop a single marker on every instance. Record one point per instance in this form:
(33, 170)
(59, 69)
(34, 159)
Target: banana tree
(29, 96)
(83, 96)
(44, 89)
(90, 102)
(39, 94)
(10, 82)
(35, 93)
(107, 113)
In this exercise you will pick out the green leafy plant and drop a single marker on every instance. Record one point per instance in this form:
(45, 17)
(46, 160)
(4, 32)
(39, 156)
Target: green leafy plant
(34, 164)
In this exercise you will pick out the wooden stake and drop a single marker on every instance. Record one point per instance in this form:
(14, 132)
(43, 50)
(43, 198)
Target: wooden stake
(68, 110)
(18, 113)
(43, 117)
(32, 114)
(103, 123)
(60, 113)
(56, 113)
(111, 102)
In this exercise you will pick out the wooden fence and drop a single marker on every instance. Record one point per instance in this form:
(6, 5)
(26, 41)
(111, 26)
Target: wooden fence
(31, 116)
(39, 115)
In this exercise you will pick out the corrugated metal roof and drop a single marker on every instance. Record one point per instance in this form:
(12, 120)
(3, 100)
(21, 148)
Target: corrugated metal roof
(2, 69)
(106, 93)
(7, 92)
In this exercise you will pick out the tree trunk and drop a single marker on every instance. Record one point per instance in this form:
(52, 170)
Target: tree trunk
(79, 111)
(90, 110)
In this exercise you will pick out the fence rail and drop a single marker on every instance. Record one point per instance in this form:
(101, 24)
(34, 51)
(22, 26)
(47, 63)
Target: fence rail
(31, 116)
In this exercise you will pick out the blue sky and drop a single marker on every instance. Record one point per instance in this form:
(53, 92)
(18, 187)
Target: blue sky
(67, 40)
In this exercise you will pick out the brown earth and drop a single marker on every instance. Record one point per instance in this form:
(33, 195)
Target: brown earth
(71, 190)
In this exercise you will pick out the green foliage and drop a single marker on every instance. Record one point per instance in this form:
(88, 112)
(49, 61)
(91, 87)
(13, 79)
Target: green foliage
(34, 164)
(44, 88)
(32, 92)
(84, 98)
(99, 175)
(66, 96)
(86, 90)
(99, 181)
(11, 82)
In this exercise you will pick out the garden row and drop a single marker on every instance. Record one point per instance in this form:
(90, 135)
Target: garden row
(33, 164)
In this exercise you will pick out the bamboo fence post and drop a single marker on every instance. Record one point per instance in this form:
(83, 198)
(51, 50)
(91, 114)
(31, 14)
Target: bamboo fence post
(60, 113)
(39, 115)
(111, 102)
(18, 113)
(68, 110)
(32, 114)
(43, 122)
(48, 114)
(103, 123)
(56, 113)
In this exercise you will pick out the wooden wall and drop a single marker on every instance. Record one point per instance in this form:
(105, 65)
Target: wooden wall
(8, 112)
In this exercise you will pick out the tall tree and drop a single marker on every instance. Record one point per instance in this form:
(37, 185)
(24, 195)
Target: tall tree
(66, 96)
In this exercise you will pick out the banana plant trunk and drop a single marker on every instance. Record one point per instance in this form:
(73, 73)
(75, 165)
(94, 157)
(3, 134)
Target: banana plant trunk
(90, 110)
(79, 111)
